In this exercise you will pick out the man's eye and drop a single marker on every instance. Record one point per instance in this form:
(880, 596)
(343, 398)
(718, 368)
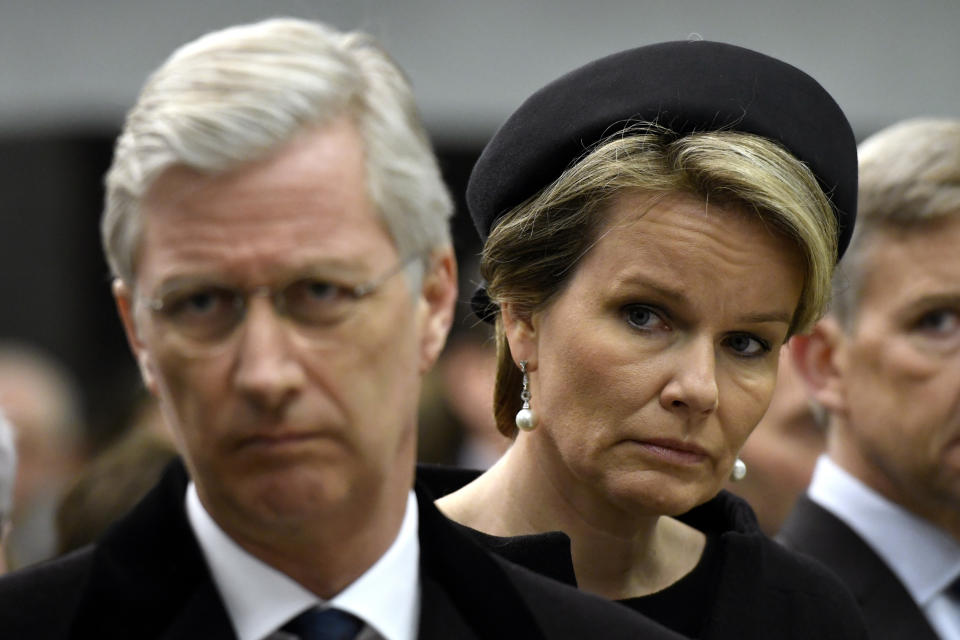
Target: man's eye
(315, 302)
(747, 345)
(941, 321)
(197, 304)
(309, 291)
(319, 290)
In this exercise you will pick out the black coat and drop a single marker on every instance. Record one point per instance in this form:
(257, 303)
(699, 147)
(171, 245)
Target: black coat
(889, 610)
(763, 591)
(147, 578)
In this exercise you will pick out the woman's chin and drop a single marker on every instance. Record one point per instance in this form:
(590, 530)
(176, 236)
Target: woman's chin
(657, 496)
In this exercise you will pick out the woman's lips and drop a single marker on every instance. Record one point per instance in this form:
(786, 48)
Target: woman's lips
(673, 451)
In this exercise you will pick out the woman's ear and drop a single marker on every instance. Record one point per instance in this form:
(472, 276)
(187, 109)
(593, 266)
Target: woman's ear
(521, 333)
(123, 297)
(818, 357)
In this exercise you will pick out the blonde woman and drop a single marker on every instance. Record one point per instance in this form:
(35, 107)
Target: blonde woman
(657, 224)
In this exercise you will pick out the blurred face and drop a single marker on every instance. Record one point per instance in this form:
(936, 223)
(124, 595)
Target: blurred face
(295, 398)
(899, 370)
(47, 454)
(781, 452)
(659, 357)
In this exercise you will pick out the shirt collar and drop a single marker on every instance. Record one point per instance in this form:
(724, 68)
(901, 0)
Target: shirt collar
(259, 599)
(894, 533)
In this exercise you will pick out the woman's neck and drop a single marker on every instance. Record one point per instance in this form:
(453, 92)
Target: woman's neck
(616, 554)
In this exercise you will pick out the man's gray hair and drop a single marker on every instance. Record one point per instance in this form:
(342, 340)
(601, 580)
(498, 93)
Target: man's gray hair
(909, 178)
(233, 96)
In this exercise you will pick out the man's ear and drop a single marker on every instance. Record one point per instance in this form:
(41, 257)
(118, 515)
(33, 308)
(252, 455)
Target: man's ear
(818, 357)
(439, 296)
(521, 333)
(123, 297)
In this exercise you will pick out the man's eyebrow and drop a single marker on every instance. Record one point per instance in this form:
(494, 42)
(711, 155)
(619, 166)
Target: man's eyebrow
(934, 299)
(328, 267)
(192, 281)
(928, 302)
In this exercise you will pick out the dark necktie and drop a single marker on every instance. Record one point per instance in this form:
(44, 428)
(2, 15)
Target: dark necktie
(953, 590)
(324, 624)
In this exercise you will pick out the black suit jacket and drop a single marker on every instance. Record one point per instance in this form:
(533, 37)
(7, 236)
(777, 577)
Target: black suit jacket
(147, 578)
(888, 609)
(760, 591)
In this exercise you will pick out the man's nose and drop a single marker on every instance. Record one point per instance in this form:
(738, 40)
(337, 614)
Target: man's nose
(268, 370)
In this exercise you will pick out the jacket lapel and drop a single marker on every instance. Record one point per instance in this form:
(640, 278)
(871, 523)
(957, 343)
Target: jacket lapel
(439, 617)
(888, 609)
(464, 586)
(149, 578)
(202, 616)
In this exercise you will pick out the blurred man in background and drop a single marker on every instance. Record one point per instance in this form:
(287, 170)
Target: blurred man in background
(883, 507)
(42, 401)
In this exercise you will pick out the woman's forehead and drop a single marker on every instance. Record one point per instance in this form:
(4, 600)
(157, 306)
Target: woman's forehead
(654, 219)
(682, 241)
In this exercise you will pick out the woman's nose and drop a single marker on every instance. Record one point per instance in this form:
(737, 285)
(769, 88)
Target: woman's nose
(692, 387)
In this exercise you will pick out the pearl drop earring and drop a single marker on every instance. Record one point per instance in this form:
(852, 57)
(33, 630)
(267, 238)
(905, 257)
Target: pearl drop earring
(739, 470)
(526, 419)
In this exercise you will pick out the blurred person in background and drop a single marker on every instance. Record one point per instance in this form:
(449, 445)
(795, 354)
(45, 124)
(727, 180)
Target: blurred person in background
(8, 472)
(115, 479)
(781, 452)
(883, 507)
(467, 370)
(43, 401)
(456, 414)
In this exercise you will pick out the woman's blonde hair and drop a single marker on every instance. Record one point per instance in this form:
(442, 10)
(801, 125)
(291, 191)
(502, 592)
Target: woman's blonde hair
(533, 250)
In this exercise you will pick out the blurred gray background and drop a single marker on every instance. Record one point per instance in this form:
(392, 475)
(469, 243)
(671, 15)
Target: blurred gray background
(70, 68)
(69, 63)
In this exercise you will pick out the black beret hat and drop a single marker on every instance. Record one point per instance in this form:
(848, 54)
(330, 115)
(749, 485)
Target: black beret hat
(686, 86)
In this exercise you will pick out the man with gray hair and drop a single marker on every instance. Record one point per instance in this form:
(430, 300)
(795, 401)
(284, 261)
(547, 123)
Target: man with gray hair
(8, 474)
(278, 232)
(883, 507)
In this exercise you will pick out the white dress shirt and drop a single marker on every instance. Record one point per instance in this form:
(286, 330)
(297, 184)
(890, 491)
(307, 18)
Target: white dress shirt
(925, 558)
(259, 599)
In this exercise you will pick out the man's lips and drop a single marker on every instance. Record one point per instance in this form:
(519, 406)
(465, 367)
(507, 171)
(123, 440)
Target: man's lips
(281, 439)
(674, 451)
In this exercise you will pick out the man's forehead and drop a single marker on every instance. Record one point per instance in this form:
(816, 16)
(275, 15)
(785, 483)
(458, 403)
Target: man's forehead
(910, 262)
(306, 204)
(327, 153)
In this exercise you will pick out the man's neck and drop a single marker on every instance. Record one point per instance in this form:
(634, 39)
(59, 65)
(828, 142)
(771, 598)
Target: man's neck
(329, 551)
(858, 464)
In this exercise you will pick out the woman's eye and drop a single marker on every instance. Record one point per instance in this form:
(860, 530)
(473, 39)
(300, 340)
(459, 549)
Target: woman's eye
(642, 317)
(940, 322)
(744, 344)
